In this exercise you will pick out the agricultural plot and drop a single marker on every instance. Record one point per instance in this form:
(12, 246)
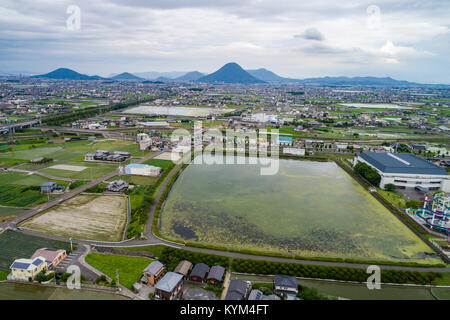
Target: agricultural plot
(85, 217)
(130, 268)
(308, 209)
(68, 167)
(20, 196)
(19, 291)
(15, 245)
(22, 190)
(7, 213)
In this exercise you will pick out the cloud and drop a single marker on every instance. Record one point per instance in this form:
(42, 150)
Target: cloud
(311, 34)
(163, 35)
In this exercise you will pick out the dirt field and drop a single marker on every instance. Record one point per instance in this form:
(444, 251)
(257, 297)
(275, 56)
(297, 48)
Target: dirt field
(168, 156)
(67, 167)
(84, 217)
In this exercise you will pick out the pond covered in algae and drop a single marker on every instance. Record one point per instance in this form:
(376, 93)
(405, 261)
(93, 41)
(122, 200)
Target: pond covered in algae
(311, 209)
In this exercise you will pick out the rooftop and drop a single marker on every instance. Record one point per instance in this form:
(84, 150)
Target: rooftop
(169, 281)
(407, 163)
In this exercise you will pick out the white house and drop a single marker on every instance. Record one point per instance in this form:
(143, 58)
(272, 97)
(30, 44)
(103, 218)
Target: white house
(24, 269)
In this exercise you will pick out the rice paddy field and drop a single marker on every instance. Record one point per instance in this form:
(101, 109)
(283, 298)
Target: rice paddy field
(19, 291)
(85, 217)
(356, 291)
(7, 213)
(15, 245)
(22, 190)
(308, 209)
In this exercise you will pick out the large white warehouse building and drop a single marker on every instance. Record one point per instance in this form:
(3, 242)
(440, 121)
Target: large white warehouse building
(406, 171)
(142, 170)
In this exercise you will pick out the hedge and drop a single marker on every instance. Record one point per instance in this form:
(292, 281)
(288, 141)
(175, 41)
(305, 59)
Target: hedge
(170, 257)
(330, 272)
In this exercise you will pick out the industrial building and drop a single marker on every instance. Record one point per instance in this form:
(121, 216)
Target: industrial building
(142, 170)
(406, 171)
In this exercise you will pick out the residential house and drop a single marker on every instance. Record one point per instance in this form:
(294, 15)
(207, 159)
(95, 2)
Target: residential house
(199, 272)
(25, 269)
(154, 272)
(52, 256)
(237, 290)
(216, 274)
(169, 286)
(183, 268)
(48, 187)
(284, 284)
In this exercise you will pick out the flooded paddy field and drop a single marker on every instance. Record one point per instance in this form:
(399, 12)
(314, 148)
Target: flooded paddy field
(310, 209)
(174, 111)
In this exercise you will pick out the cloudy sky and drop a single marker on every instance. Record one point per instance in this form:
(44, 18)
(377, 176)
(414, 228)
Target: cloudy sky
(403, 39)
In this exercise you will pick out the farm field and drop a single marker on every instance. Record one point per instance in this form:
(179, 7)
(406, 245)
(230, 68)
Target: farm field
(68, 151)
(8, 213)
(85, 217)
(15, 245)
(354, 291)
(130, 268)
(307, 209)
(23, 190)
(18, 291)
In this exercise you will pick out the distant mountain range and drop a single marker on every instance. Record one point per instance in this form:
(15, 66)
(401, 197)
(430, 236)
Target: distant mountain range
(126, 76)
(190, 76)
(67, 74)
(232, 73)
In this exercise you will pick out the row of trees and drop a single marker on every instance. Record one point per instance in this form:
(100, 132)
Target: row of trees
(368, 173)
(172, 256)
(329, 272)
(89, 112)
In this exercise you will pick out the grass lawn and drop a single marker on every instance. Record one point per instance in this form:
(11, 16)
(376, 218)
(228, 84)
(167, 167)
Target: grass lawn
(442, 293)
(163, 164)
(154, 250)
(3, 275)
(130, 268)
(394, 197)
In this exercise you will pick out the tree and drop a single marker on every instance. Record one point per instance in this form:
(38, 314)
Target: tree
(368, 173)
(389, 187)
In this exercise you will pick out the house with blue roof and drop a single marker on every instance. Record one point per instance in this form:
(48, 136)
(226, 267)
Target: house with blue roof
(406, 171)
(24, 269)
(169, 286)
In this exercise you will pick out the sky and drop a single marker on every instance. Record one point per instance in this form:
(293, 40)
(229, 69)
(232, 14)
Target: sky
(402, 39)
